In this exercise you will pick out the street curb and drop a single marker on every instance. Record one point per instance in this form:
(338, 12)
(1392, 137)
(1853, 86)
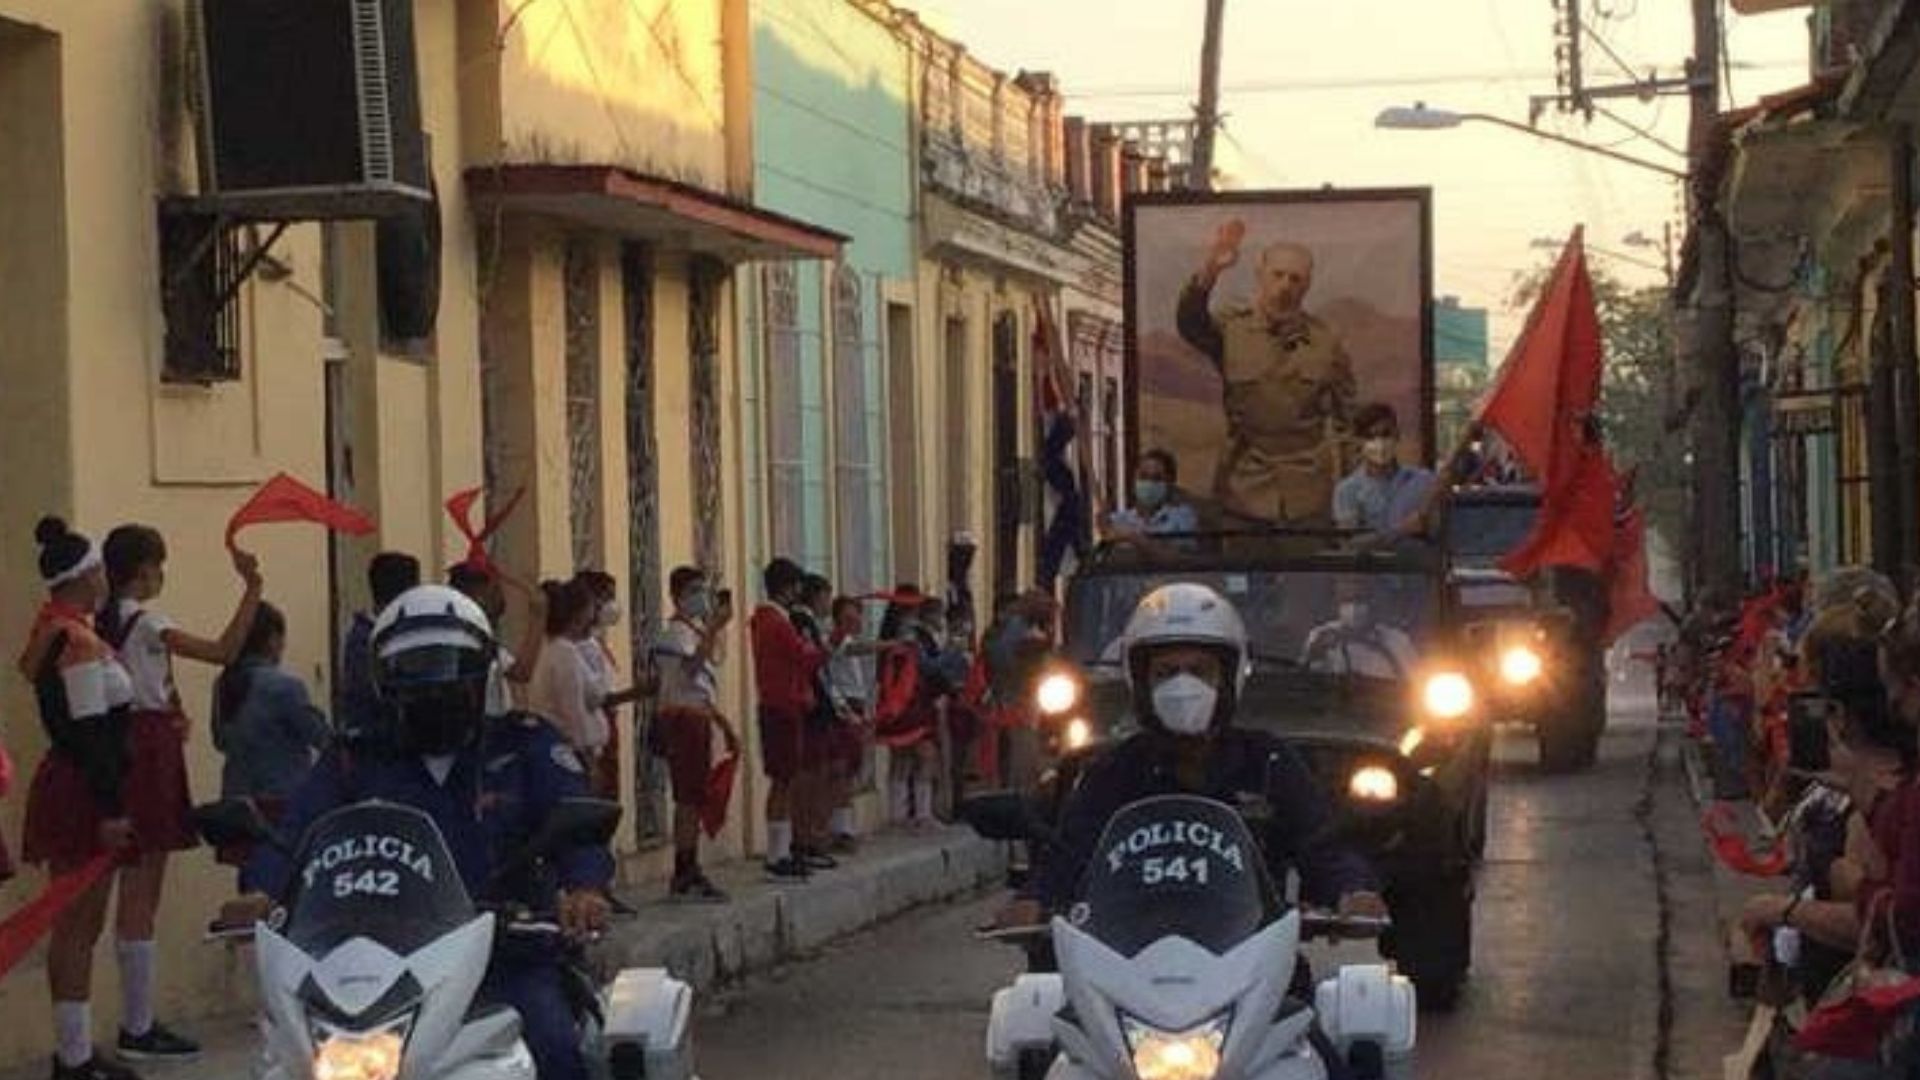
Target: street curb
(765, 926)
(1730, 890)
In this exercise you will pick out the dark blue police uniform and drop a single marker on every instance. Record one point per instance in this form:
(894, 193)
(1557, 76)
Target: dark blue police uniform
(1239, 763)
(494, 798)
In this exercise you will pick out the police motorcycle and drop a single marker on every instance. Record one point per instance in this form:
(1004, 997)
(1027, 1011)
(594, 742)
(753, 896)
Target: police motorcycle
(1178, 962)
(370, 966)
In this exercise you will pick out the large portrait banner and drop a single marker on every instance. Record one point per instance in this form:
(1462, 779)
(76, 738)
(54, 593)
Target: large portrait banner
(1260, 325)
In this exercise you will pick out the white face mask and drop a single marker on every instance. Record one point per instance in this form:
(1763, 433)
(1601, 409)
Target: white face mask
(1353, 614)
(1185, 704)
(609, 614)
(1378, 452)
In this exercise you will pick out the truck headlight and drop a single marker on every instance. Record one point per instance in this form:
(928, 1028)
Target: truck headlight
(1056, 693)
(1447, 695)
(1167, 1055)
(1521, 665)
(1374, 783)
(1078, 734)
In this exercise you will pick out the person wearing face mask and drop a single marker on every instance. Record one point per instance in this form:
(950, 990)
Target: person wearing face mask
(1382, 496)
(1158, 509)
(687, 653)
(1186, 656)
(1356, 642)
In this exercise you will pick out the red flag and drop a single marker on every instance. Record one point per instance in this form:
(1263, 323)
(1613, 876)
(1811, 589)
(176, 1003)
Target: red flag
(1630, 599)
(285, 499)
(460, 508)
(1723, 836)
(719, 796)
(1544, 395)
(1576, 524)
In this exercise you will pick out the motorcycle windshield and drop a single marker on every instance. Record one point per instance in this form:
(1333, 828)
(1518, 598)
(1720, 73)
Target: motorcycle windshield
(376, 870)
(1175, 866)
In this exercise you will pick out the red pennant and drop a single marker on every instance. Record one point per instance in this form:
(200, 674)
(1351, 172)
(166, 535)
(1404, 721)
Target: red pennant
(460, 508)
(285, 499)
(1723, 835)
(713, 812)
(31, 923)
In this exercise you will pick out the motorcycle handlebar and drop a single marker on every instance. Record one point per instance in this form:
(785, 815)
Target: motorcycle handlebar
(1313, 924)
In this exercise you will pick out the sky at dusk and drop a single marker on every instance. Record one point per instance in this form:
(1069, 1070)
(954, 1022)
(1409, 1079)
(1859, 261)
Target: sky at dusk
(1303, 80)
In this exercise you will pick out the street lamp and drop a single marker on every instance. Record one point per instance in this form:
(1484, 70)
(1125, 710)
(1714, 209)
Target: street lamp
(1422, 118)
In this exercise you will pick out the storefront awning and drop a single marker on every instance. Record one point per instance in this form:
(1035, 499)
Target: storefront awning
(609, 199)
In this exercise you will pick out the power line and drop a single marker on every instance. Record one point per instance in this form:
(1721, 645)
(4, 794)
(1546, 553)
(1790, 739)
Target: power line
(1642, 132)
(1287, 86)
(1625, 67)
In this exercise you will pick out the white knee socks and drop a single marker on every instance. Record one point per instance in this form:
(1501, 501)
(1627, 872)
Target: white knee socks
(902, 792)
(73, 1032)
(779, 841)
(136, 986)
(923, 800)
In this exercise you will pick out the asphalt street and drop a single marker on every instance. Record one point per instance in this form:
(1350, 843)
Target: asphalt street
(1572, 973)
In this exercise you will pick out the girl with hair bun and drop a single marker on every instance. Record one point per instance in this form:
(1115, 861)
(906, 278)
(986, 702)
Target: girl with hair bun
(155, 788)
(76, 807)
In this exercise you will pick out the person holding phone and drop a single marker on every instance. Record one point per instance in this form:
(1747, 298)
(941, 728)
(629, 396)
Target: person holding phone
(687, 654)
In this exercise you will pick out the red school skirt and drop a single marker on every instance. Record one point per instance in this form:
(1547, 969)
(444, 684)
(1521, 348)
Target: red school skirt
(63, 821)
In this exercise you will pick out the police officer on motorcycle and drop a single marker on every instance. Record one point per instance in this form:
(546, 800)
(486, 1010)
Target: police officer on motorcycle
(487, 782)
(1186, 656)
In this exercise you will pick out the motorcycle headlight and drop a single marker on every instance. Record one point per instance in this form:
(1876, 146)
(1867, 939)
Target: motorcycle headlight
(1374, 783)
(1056, 693)
(1447, 695)
(341, 1053)
(1077, 734)
(1521, 665)
(1193, 1054)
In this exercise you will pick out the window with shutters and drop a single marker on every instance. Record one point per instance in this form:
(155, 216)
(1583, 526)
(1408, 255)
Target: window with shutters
(786, 441)
(856, 473)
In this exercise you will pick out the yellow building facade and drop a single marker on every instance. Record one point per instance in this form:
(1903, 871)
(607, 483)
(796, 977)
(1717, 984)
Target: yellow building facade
(592, 165)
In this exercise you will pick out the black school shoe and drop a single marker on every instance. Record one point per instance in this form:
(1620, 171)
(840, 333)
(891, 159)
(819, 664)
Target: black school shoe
(816, 860)
(788, 871)
(158, 1044)
(97, 1068)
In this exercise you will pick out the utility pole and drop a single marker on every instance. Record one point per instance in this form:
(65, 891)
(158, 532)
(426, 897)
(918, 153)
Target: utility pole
(1715, 378)
(1207, 123)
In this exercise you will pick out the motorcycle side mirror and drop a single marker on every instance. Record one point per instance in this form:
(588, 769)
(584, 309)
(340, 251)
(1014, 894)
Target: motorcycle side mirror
(578, 823)
(231, 823)
(998, 815)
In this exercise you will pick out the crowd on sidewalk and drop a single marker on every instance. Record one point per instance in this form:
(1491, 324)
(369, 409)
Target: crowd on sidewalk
(838, 678)
(1805, 696)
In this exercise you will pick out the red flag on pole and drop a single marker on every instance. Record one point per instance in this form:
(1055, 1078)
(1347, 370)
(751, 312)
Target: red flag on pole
(1542, 406)
(285, 499)
(1630, 599)
(1545, 392)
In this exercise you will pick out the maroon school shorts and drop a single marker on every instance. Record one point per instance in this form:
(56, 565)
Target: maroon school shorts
(783, 743)
(686, 736)
(63, 821)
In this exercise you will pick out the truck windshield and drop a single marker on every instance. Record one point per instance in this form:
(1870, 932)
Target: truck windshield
(1373, 625)
(1479, 533)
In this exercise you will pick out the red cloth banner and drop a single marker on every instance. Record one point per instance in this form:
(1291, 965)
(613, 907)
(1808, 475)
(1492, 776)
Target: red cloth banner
(285, 499)
(719, 796)
(23, 928)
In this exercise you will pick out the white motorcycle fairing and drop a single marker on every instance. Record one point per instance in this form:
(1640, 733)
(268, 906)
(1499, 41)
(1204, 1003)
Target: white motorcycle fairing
(442, 1041)
(1175, 985)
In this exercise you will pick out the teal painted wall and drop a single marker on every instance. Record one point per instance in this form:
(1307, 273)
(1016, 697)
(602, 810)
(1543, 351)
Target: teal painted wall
(832, 147)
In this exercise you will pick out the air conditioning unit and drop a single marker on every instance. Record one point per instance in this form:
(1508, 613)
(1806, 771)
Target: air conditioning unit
(311, 108)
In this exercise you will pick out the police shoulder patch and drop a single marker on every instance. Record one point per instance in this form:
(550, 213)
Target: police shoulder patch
(564, 757)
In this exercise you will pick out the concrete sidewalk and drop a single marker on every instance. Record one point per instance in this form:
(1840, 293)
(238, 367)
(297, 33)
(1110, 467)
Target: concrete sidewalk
(761, 927)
